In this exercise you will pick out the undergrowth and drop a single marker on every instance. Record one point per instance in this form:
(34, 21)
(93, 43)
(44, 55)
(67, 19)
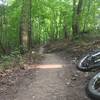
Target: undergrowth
(16, 60)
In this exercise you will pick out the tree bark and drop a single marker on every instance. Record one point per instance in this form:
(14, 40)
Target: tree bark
(30, 26)
(2, 48)
(77, 9)
(25, 26)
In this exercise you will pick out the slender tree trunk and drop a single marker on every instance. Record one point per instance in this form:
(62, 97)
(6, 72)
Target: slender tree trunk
(65, 32)
(2, 48)
(77, 9)
(30, 25)
(3, 29)
(65, 28)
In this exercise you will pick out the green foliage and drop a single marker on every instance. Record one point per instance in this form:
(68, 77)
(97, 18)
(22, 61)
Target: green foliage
(11, 60)
(51, 19)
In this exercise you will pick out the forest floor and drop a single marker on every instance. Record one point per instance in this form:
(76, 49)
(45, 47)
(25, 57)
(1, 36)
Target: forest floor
(55, 78)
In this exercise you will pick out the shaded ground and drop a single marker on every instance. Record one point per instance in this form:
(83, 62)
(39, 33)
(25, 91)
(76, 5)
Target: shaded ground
(56, 78)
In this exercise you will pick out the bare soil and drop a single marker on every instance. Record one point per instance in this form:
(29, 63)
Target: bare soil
(56, 78)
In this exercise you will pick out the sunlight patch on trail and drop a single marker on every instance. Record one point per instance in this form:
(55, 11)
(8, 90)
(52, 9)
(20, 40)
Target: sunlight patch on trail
(49, 66)
(44, 66)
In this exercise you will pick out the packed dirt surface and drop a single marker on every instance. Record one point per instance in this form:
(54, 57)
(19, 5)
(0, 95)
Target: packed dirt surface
(56, 78)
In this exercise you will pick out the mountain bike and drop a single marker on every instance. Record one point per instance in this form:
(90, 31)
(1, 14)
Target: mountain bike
(90, 61)
(93, 87)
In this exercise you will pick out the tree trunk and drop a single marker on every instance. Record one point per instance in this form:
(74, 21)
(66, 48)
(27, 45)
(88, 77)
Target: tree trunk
(25, 26)
(2, 48)
(30, 26)
(77, 9)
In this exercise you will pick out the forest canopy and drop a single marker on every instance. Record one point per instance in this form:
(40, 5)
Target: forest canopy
(25, 23)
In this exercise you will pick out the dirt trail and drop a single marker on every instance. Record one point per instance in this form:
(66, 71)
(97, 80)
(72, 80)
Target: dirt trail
(54, 79)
